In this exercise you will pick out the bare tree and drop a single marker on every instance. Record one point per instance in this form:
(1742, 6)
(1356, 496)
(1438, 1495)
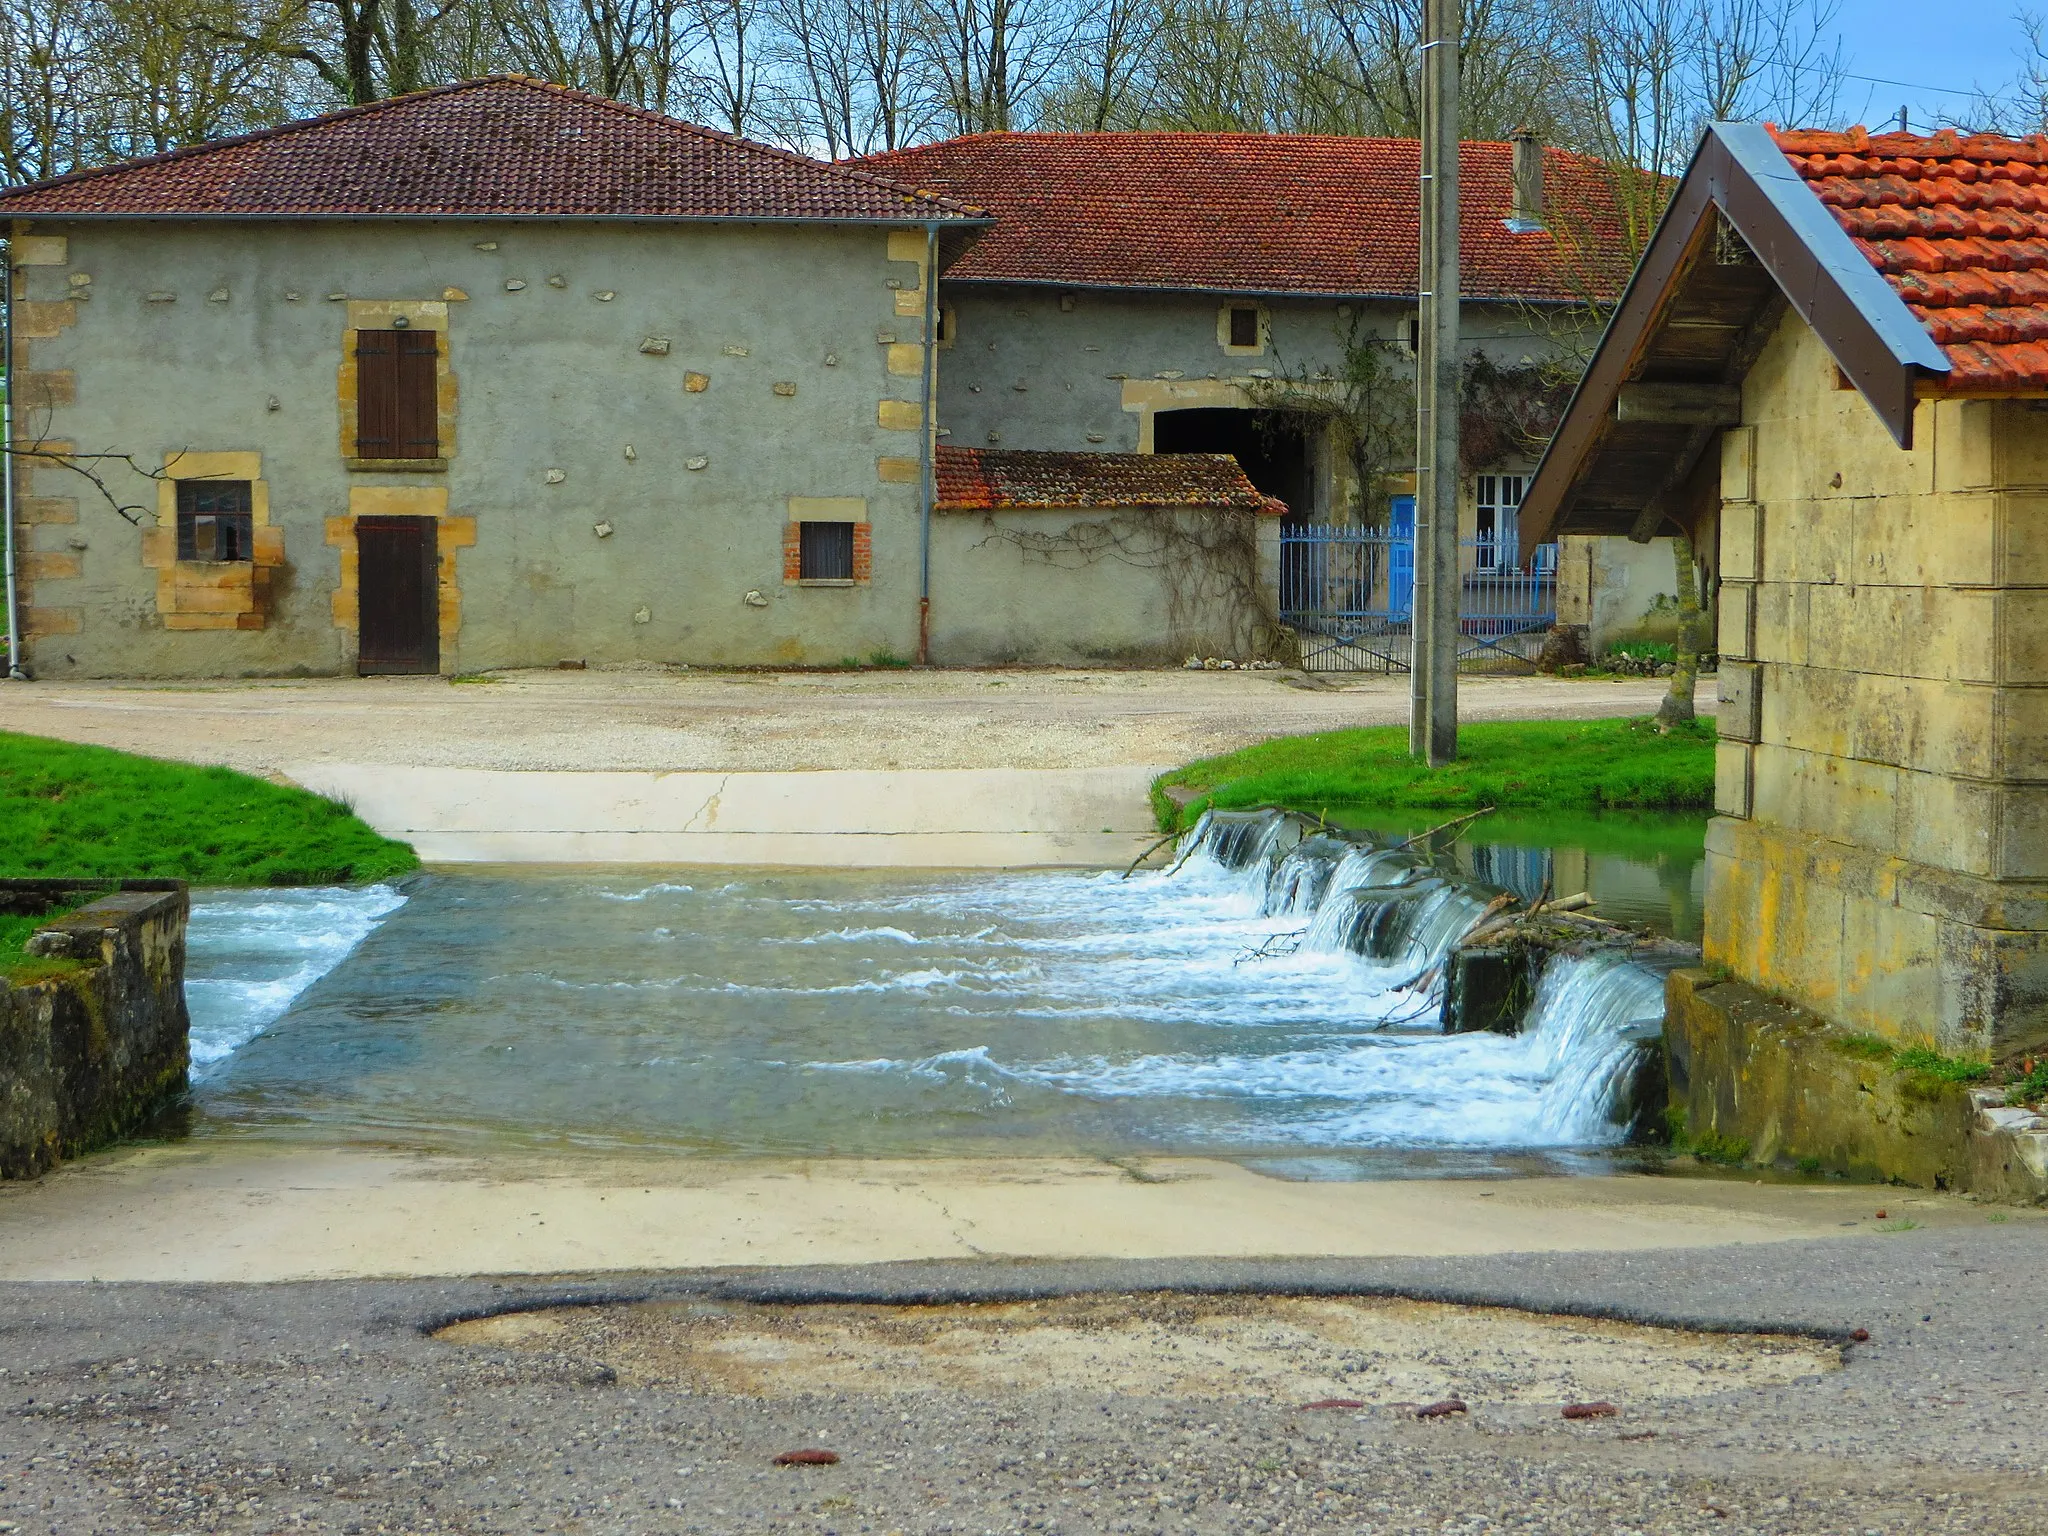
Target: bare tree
(726, 76)
(1105, 83)
(46, 80)
(2020, 105)
(991, 61)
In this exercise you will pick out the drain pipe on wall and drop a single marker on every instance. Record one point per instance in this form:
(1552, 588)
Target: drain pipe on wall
(14, 668)
(927, 447)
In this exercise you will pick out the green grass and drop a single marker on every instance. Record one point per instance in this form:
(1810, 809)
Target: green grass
(1925, 1073)
(1535, 765)
(1707, 1146)
(1645, 650)
(2030, 1086)
(16, 964)
(68, 811)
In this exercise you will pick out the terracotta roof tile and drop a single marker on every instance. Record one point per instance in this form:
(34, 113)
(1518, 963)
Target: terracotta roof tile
(1958, 224)
(988, 479)
(500, 146)
(1251, 213)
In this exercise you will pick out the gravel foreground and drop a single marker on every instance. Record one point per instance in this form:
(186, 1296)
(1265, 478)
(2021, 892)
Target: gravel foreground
(326, 1406)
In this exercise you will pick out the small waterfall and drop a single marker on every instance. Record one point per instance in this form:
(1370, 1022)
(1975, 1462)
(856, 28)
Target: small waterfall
(1301, 879)
(1240, 840)
(1592, 1019)
(1586, 1033)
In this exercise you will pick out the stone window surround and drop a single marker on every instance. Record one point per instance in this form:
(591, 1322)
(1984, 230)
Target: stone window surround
(383, 315)
(827, 509)
(208, 594)
(1223, 328)
(451, 534)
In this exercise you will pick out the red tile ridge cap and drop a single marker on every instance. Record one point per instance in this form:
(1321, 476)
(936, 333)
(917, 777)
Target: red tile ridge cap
(1943, 144)
(300, 125)
(1027, 135)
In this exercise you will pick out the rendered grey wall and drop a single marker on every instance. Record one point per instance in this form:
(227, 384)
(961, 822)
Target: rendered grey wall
(549, 377)
(1093, 587)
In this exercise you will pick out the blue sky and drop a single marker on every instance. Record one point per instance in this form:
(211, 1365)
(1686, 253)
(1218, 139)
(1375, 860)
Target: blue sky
(1938, 52)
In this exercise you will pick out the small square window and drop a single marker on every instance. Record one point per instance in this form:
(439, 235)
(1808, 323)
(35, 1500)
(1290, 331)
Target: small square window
(1244, 326)
(947, 325)
(825, 551)
(213, 520)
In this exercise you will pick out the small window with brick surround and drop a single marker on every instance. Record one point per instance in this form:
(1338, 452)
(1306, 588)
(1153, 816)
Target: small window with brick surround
(214, 520)
(825, 551)
(397, 404)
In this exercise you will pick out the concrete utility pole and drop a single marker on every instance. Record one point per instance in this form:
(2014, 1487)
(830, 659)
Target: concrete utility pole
(1433, 705)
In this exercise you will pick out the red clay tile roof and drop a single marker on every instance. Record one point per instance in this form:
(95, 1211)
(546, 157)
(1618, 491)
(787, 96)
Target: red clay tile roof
(1247, 213)
(500, 146)
(1959, 226)
(986, 479)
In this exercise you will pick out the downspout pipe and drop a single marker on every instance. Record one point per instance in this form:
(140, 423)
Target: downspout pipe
(7, 466)
(927, 447)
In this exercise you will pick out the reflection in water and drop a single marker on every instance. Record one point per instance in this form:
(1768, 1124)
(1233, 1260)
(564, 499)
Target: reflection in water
(1642, 868)
(841, 1012)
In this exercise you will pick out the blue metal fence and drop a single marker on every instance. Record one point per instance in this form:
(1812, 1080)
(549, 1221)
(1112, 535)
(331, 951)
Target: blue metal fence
(1349, 592)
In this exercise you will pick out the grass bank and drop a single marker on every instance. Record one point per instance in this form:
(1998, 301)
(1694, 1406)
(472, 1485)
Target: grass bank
(90, 813)
(1533, 765)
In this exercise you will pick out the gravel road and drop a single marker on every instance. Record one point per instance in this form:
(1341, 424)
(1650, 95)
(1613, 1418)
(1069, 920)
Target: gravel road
(747, 721)
(327, 1407)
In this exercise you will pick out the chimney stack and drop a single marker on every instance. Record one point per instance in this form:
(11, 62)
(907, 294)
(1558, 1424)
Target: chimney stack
(1528, 212)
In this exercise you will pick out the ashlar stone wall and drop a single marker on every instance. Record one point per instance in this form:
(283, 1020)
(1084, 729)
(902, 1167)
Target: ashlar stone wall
(1881, 850)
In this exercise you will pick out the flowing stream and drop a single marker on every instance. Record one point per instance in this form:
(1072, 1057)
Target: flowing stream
(1260, 1001)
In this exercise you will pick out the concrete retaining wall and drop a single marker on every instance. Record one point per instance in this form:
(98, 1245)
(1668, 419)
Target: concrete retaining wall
(1759, 1081)
(951, 818)
(96, 1039)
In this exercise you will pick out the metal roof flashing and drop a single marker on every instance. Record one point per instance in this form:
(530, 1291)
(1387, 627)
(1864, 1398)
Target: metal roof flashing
(1739, 170)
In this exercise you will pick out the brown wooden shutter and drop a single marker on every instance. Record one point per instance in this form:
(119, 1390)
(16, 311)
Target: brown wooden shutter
(377, 394)
(397, 395)
(419, 412)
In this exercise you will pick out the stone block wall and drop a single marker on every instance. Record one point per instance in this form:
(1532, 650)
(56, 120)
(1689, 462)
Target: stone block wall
(91, 1049)
(1756, 1080)
(1881, 855)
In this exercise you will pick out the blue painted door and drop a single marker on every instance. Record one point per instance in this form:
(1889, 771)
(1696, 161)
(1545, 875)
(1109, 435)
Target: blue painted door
(1401, 559)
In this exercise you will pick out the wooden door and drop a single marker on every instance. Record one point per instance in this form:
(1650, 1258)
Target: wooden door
(398, 604)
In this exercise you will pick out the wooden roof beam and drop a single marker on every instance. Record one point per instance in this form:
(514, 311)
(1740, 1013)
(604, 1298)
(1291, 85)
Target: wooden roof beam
(1680, 405)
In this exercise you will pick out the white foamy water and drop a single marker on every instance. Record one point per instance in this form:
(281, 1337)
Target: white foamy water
(250, 954)
(1260, 997)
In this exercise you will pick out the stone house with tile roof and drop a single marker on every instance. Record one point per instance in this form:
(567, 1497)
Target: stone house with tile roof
(1140, 292)
(498, 374)
(503, 374)
(1832, 366)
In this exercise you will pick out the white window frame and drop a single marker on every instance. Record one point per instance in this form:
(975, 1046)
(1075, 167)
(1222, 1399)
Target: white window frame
(1497, 521)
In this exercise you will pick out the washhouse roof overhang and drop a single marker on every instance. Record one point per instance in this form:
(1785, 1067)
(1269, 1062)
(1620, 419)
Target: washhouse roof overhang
(1746, 237)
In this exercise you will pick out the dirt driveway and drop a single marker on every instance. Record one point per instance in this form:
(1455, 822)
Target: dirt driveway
(754, 721)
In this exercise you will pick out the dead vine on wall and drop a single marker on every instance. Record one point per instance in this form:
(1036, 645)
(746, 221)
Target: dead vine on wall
(1208, 561)
(1509, 411)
